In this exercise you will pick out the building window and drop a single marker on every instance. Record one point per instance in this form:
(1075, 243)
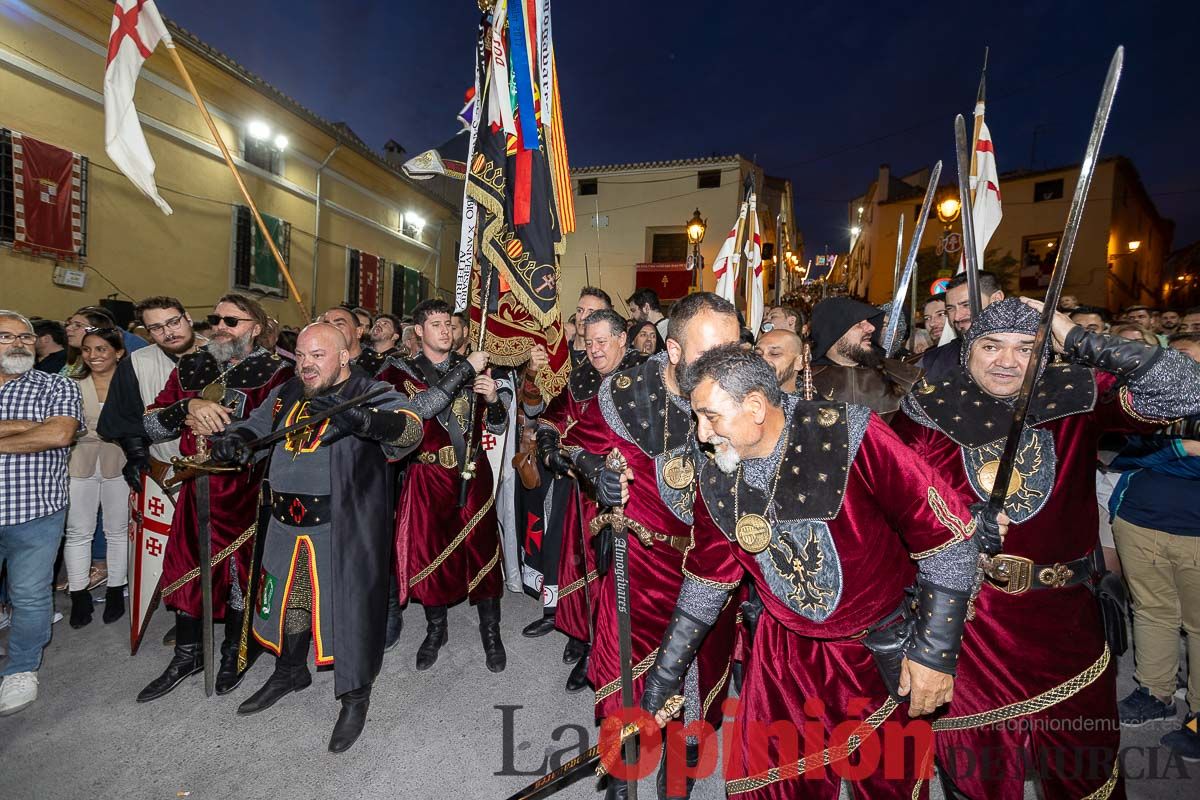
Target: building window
(588, 186)
(669, 248)
(8, 206)
(254, 267)
(261, 154)
(1048, 190)
(409, 287)
(1038, 256)
(708, 179)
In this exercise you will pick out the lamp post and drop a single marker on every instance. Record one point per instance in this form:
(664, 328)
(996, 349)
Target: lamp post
(696, 228)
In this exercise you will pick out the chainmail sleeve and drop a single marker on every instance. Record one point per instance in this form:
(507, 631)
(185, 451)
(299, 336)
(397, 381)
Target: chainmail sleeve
(431, 402)
(1168, 390)
(953, 567)
(702, 601)
(164, 424)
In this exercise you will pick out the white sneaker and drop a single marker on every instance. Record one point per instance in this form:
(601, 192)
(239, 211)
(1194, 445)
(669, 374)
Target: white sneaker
(5, 617)
(18, 690)
(56, 618)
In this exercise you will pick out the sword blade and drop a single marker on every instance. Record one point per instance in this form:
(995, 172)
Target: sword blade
(962, 148)
(899, 254)
(893, 326)
(204, 534)
(1074, 216)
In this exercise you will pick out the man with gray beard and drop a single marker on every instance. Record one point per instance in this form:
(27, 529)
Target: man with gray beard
(793, 500)
(211, 389)
(39, 417)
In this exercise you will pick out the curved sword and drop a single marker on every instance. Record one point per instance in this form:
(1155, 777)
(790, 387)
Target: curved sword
(1040, 344)
(893, 325)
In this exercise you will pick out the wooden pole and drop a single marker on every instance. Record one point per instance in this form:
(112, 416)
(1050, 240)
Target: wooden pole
(237, 177)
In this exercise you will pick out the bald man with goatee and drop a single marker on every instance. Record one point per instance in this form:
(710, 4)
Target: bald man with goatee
(323, 580)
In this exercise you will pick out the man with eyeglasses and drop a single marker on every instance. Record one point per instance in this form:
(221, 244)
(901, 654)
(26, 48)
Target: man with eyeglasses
(39, 417)
(138, 381)
(215, 386)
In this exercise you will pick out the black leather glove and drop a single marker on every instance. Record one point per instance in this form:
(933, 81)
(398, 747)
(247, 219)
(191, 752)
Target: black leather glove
(602, 546)
(937, 635)
(137, 462)
(606, 482)
(231, 448)
(548, 452)
(682, 639)
(348, 422)
(1125, 358)
(987, 528)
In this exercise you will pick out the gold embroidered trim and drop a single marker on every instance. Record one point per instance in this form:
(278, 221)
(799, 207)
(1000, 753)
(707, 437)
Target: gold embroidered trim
(828, 755)
(1104, 791)
(1127, 407)
(191, 575)
(708, 582)
(1031, 706)
(483, 572)
(576, 584)
(952, 523)
(639, 669)
(442, 556)
(712, 695)
(917, 788)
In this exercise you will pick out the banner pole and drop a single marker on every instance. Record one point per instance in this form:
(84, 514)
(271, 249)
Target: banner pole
(237, 176)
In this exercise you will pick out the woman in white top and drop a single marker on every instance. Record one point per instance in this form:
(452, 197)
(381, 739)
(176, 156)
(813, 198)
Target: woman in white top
(96, 482)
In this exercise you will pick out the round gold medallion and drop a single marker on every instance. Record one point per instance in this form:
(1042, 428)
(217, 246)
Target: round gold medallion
(827, 417)
(213, 392)
(987, 478)
(753, 533)
(679, 472)
(623, 382)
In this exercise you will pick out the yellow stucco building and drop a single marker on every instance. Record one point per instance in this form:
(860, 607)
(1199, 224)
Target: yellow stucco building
(1106, 269)
(52, 61)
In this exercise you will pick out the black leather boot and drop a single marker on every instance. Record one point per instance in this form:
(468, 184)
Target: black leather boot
(577, 681)
(81, 608)
(168, 639)
(187, 660)
(228, 674)
(692, 753)
(114, 604)
(617, 789)
(351, 719)
(435, 637)
(540, 626)
(575, 650)
(395, 620)
(291, 675)
(489, 632)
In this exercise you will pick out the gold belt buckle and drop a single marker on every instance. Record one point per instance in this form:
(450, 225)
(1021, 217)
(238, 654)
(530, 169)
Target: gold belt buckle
(1010, 574)
(447, 457)
(1056, 576)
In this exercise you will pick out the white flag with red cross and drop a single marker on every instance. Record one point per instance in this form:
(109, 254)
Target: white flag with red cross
(136, 30)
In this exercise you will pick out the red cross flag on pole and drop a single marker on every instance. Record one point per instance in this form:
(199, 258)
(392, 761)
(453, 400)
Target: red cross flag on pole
(137, 29)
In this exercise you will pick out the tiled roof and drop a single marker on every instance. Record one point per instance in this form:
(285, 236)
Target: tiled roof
(679, 162)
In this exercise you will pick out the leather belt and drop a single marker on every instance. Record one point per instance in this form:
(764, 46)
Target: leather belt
(1017, 575)
(680, 543)
(446, 456)
(301, 510)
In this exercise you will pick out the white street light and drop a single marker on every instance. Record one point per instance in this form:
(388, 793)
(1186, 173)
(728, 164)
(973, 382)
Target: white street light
(259, 130)
(414, 219)
(855, 231)
(281, 142)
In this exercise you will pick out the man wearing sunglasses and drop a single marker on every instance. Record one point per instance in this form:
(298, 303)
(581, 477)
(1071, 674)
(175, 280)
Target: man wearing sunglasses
(210, 389)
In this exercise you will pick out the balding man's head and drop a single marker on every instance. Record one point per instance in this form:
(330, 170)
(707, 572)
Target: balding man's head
(784, 351)
(322, 357)
(345, 321)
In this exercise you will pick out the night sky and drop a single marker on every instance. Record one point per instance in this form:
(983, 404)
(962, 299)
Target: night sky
(819, 92)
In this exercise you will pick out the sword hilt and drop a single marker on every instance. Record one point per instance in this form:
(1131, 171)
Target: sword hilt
(671, 708)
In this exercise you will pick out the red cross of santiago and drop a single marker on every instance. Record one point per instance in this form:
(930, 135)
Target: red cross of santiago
(127, 22)
(153, 547)
(156, 506)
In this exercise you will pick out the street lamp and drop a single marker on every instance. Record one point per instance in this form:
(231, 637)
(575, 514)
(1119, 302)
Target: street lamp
(696, 228)
(948, 210)
(1134, 245)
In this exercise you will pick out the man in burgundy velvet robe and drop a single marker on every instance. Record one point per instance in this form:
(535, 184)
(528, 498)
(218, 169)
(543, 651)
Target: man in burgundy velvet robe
(844, 509)
(641, 413)
(1037, 680)
(444, 553)
(604, 341)
(233, 368)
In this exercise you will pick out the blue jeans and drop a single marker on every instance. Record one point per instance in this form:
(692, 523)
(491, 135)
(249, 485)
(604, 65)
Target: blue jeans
(30, 549)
